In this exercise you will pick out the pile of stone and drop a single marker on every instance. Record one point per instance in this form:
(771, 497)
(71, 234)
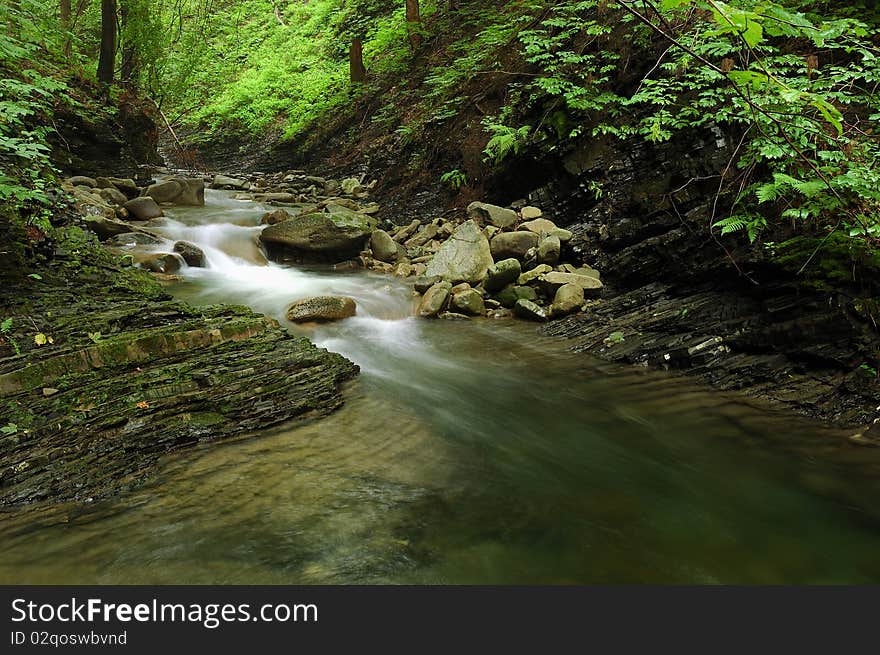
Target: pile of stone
(118, 210)
(295, 188)
(499, 262)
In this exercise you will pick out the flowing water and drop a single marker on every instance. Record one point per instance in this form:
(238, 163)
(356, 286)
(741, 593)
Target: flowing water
(475, 452)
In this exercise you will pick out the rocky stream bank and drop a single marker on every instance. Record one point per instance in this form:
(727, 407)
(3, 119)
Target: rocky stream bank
(103, 372)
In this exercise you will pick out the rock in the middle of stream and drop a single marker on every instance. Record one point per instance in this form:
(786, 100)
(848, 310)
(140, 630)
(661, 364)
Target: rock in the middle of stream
(321, 309)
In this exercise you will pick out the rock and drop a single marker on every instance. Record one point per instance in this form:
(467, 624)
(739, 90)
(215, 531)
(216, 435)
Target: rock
(434, 300)
(509, 296)
(422, 284)
(82, 180)
(165, 191)
(131, 239)
(341, 234)
(452, 316)
(313, 179)
(465, 257)
(161, 263)
(468, 302)
(563, 235)
(534, 274)
(569, 298)
(275, 217)
(407, 231)
(529, 310)
(351, 186)
(321, 309)
(191, 253)
(384, 248)
(588, 271)
(143, 209)
(192, 192)
(552, 281)
(332, 187)
(539, 226)
(126, 185)
(502, 273)
(113, 195)
(484, 213)
(421, 238)
(106, 227)
(542, 226)
(288, 198)
(513, 244)
(403, 269)
(225, 182)
(549, 250)
(530, 213)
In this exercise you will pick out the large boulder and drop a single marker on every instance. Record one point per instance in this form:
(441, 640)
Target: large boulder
(233, 183)
(113, 195)
(465, 257)
(485, 213)
(126, 185)
(143, 209)
(502, 273)
(340, 235)
(321, 309)
(192, 192)
(165, 191)
(434, 300)
(106, 228)
(191, 253)
(513, 244)
(384, 248)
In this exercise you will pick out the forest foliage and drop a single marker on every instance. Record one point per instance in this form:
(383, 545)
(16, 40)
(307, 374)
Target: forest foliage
(792, 84)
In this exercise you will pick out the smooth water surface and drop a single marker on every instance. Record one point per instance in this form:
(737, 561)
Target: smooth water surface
(475, 452)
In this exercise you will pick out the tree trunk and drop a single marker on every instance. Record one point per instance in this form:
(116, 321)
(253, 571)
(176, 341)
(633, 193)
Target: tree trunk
(106, 62)
(356, 62)
(65, 26)
(414, 22)
(129, 67)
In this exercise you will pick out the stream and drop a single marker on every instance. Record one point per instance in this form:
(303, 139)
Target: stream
(466, 452)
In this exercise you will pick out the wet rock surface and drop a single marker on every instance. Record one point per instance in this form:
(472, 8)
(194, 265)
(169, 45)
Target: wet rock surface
(125, 375)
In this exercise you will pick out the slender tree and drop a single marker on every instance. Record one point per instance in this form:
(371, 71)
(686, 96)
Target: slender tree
(129, 67)
(65, 25)
(356, 61)
(414, 22)
(106, 61)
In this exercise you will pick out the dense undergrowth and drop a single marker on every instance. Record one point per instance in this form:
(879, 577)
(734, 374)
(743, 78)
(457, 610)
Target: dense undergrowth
(793, 84)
